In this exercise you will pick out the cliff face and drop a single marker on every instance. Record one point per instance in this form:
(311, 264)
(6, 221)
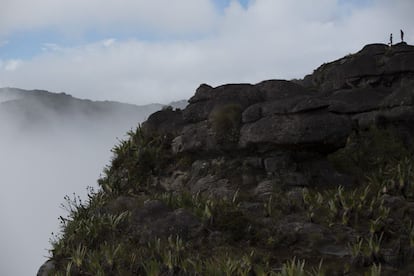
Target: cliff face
(248, 176)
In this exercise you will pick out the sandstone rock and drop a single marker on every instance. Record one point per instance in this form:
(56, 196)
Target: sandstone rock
(194, 138)
(176, 182)
(374, 65)
(166, 121)
(212, 186)
(204, 92)
(357, 100)
(243, 95)
(281, 89)
(398, 114)
(155, 219)
(323, 131)
(283, 106)
(252, 113)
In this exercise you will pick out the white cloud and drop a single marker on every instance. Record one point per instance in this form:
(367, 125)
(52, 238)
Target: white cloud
(11, 65)
(270, 39)
(108, 42)
(179, 16)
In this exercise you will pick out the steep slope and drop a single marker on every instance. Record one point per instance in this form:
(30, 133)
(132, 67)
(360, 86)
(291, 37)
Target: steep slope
(259, 179)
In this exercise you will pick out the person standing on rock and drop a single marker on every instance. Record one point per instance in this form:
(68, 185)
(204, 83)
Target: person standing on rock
(402, 35)
(391, 39)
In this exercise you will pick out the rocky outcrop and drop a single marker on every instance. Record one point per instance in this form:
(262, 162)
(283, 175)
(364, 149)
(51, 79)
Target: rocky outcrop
(375, 65)
(250, 162)
(283, 122)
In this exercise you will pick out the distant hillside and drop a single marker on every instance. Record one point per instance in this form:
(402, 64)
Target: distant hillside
(39, 109)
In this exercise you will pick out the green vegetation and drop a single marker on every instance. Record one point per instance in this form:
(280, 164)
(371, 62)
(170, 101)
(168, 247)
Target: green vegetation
(135, 160)
(226, 122)
(100, 237)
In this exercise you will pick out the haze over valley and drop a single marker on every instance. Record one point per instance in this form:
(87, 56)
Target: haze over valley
(51, 145)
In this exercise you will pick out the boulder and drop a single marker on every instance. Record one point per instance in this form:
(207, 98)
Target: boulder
(194, 138)
(203, 92)
(357, 100)
(166, 121)
(207, 100)
(281, 89)
(317, 131)
(296, 104)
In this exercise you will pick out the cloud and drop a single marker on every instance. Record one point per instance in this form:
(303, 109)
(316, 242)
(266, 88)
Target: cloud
(179, 16)
(10, 65)
(265, 39)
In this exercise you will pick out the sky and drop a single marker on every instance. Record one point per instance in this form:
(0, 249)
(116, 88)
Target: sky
(141, 51)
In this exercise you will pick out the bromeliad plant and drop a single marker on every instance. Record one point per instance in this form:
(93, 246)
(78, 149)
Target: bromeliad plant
(135, 159)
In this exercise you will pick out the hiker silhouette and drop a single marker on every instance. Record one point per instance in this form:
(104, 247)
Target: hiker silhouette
(402, 35)
(391, 39)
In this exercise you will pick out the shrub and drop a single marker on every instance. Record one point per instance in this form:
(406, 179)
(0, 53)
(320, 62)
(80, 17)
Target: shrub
(226, 122)
(368, 150)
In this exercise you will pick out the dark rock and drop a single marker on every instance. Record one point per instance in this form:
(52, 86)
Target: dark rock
(123, 203)
(176, 182)
(323, 131)
(243, 95)
(321, 172)
(254, 162)
(166, 121)
(357, 100)
(281, 89)
(212, 186)
(402, 96)
(374, 65)
(252, 113)
(155, 219)
(278, 162)
(335, 250)
(204, 92)
(400, 114)
(47, 268)
(194, 138)
(283, 106)
(293, 179)
(304, 233)
(265, 189)
(374, 49)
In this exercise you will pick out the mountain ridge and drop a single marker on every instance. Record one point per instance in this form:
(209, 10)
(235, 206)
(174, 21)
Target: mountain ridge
(37, 108)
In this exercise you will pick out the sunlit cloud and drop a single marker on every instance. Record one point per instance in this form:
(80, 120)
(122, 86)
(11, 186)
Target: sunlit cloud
(12, 65)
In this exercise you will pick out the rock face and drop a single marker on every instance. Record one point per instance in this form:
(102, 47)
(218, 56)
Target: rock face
(297, 123)
(375, 65)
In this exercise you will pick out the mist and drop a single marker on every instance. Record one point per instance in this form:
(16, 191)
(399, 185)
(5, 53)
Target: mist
(44, 155)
